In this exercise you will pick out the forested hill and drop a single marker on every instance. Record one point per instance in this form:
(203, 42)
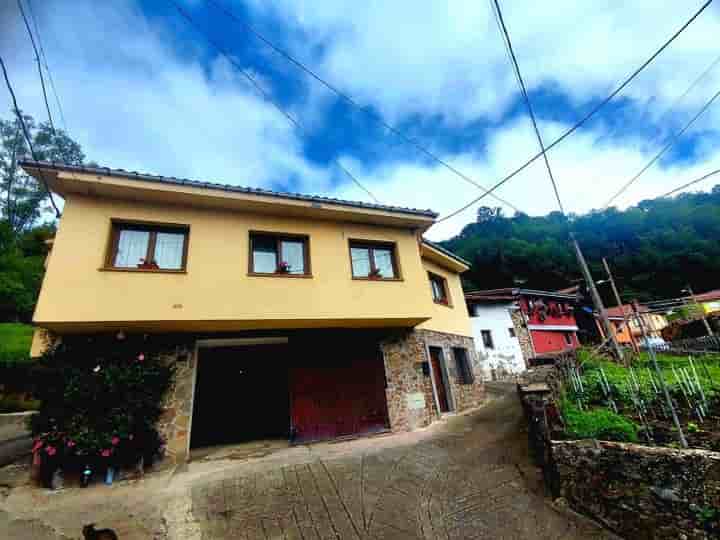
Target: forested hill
(654, 248)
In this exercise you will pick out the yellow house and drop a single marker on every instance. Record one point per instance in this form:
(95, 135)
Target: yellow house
(319, 317)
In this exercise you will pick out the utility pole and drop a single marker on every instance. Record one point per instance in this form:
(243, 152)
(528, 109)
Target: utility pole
(668, 399)
(702, 311)
(597, 301)
(626, 322)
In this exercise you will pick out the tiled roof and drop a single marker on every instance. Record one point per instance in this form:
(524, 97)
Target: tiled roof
(445, 252)
(134, 175)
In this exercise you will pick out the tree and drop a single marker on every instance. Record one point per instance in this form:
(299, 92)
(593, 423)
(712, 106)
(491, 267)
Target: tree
(23, 205)
(23, 199)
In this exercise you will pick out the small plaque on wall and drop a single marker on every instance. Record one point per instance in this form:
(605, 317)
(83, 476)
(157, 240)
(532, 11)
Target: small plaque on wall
(415, 400)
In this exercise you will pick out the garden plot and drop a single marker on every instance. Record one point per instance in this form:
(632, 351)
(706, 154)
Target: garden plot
(604, 400)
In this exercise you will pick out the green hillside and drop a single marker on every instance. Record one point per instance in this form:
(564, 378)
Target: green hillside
(654, 248)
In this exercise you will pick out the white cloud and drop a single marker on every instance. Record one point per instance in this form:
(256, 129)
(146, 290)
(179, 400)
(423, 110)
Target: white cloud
(135, 99)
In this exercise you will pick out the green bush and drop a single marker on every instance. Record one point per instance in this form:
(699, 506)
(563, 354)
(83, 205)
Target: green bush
(101, 398)
(15, 341)
(601, 424)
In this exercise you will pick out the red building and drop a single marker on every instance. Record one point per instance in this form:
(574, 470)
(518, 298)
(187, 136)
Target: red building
(545, 319)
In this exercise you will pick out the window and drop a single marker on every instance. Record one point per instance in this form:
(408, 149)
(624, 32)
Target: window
(136, 246)
(511, 331)
(438, 284)
(568, 338)
(373, 260)
(462, 364)
(487, 339)
(279, 254)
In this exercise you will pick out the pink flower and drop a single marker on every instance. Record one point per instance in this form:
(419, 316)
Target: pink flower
(115, 441)
(71, 443)
(141, 357)
(51, 450)
(37, 446)
(106, 452)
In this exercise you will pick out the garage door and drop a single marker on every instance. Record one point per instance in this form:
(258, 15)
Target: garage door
(337, 397)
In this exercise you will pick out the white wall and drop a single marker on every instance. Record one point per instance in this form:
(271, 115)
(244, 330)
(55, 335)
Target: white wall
(506, 358)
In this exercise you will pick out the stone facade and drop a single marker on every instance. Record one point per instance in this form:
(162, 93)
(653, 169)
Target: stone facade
(404, 357)
(174, 423)
(523, 335)
(640, 491)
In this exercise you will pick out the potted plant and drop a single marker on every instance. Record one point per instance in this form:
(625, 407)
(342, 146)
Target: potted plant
(283, 267)
(148, 264)
(375, 273)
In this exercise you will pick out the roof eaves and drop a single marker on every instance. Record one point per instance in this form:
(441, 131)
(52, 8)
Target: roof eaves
(444, 251)
(134, 175)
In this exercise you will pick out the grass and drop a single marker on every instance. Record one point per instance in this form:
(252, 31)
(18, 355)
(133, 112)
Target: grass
(588, 414)
(15, 340)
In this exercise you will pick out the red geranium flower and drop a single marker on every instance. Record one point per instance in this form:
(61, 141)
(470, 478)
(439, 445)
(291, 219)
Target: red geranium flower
(71, 443)
(141, 357)
(106, 452)
(51, 450)
(37, 446)
(115, 441)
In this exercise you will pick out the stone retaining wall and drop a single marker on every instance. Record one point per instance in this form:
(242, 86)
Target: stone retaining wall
(640, 491)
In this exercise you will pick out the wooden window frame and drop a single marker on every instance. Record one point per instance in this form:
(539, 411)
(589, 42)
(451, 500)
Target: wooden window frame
(492, 341)
(371, 245)
(462, 366)
(152, 227)
(279, 237)
(446, 301)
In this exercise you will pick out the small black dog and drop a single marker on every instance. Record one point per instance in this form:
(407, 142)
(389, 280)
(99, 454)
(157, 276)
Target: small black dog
(90, 533)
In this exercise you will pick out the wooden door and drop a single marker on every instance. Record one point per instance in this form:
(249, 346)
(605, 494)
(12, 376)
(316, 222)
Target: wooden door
(439, 379)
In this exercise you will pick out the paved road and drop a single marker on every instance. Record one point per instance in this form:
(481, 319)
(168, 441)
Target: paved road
(468, 478)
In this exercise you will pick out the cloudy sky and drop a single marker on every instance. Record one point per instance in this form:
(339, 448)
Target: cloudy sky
(142, 90)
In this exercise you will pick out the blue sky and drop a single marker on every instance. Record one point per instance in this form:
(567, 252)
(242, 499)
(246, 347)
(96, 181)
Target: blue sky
(143, 91)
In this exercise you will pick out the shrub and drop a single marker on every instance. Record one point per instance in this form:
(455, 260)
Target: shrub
(601, 424)
(101, 398)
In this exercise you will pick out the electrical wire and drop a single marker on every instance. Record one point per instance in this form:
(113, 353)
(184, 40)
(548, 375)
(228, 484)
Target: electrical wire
(39, 65)
(253, 81)
(584, 119)
(708, 175)
(509, 48)
(45, 63)
(26, 133)
(367, 110)
(671, 142)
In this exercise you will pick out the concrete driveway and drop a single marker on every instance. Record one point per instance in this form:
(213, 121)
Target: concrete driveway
(467, 477)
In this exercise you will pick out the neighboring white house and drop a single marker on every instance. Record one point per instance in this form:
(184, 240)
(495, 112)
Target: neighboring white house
(496, 339)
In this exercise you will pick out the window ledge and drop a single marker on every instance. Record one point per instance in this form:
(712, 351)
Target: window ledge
(376, 279)
(445, 304)
(279, 275)
(141, 270)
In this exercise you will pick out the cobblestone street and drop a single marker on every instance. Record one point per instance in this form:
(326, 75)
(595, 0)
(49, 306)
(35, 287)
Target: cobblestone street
(466, 478)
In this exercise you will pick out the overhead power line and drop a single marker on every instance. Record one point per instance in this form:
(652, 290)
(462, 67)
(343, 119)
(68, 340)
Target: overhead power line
(671, 142)
(39, 65)
(584, 119)
(47, 67)
(351, 101)
(697, 180)
(526, 98)
(266, 95)
(26, 134)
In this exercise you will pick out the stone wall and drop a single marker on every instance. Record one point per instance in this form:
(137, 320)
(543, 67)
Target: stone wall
(523, 335)
(174, 423)
(640, 491)
(408, 387)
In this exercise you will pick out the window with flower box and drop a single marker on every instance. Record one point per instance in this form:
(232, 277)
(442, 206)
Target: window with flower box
(439, 287)
(373, 260)
(136, 246)
(286, 255)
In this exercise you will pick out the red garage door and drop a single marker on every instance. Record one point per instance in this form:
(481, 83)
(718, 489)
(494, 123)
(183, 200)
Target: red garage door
(338, 397)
